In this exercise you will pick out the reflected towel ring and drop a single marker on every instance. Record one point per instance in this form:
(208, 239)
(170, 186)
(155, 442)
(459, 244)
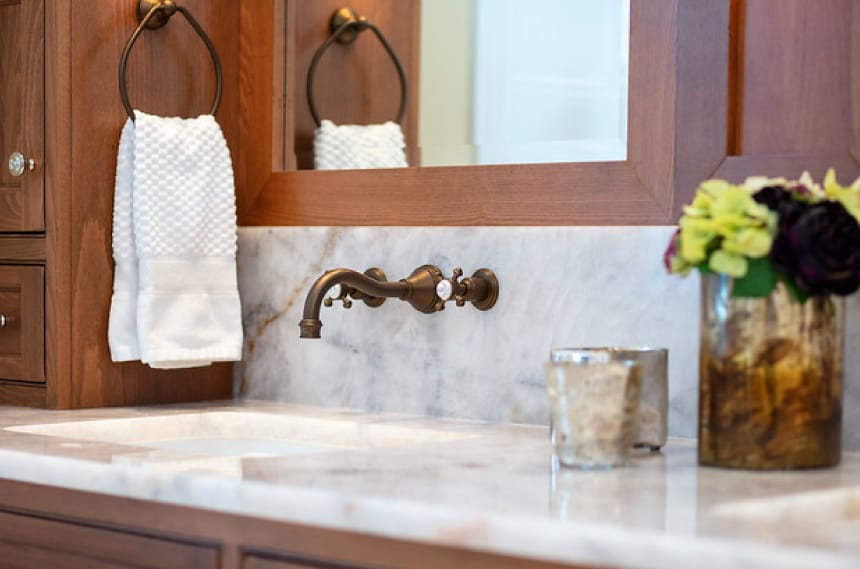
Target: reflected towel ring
(153, 14)
(346, 26)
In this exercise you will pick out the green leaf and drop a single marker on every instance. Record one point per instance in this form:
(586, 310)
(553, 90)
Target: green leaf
(759, 282)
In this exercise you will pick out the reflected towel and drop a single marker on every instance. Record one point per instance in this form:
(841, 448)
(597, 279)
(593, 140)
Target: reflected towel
(175, 302)
(355, 147)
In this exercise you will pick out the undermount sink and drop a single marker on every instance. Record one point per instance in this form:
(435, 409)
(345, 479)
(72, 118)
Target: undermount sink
(822, 509)
(217, 441)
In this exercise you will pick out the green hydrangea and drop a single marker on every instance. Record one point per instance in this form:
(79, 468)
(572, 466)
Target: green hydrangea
(849, 197)
(724, 226)
(732, 230)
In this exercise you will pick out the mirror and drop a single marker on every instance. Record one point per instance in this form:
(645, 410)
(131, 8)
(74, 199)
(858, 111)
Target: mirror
(677, 128)
(490, 81)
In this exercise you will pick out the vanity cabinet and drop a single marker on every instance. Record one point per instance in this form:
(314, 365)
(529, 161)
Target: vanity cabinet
(46, 526)
(22, 115)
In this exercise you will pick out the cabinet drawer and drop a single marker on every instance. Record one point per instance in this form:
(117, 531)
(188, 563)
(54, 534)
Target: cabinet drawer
(22, 322)
(255, 562)
(36, 543)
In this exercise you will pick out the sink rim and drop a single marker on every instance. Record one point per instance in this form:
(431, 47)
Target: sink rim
(341, 432)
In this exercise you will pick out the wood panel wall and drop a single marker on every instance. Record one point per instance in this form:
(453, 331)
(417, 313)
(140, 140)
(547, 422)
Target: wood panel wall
(356, 83)
(795, 88)
(169, 73)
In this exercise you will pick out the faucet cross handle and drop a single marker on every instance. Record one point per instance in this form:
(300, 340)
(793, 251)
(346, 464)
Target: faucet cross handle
(452, 288)
(339, 292)
(481, 289)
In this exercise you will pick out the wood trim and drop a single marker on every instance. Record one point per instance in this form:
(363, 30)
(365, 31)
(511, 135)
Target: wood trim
(737, 31)
(282, 146)
(738, 168)
(253, 162)
(23, 394)
(17, 249)
(58, 204)
(671, 143)
(288, 160)
(855, 81)
(33, 324)
(241, 536)
(488, 195)
(33, 186)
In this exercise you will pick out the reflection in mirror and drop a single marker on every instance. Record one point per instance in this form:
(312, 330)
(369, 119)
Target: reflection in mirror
(523, 81)
(500, 82)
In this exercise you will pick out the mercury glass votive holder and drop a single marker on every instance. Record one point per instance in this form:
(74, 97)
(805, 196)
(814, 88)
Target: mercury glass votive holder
(594, 402)
(652, 425)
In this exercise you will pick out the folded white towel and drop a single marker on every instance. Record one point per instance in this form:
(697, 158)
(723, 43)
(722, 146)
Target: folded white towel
(354, 147)
(175, 302)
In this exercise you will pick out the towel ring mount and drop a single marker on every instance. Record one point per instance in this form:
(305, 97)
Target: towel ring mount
(152, 15)
(345, 26)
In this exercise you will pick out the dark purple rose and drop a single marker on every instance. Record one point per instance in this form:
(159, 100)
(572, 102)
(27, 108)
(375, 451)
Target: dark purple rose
(772, 197)
(818, 245)
(671, 251)
(781, 200)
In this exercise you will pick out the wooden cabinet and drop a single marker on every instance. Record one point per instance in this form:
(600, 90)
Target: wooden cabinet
(60, 106)
(49, 523)
(22, 115)
(22, 323)
(35, 543)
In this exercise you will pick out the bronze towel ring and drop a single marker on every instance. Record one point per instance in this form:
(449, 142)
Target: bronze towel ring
(345, 25)
(153, 14)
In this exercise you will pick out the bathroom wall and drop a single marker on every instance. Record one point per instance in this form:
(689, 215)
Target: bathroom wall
(559, 287)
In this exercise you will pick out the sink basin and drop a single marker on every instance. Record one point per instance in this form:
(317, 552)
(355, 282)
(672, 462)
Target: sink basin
(822, 518)
(217, 441)
(818, 509)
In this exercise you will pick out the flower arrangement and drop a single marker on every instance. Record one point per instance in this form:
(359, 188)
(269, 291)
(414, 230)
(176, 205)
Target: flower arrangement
(766, 231)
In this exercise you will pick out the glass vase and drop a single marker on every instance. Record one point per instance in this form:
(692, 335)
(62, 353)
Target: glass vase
(770, 379)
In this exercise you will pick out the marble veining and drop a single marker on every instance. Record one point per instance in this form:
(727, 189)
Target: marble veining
(491, 487)
(560, 286)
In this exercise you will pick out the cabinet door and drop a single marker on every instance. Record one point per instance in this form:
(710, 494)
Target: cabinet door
(17, 556)
(22, 114)
(22, 322)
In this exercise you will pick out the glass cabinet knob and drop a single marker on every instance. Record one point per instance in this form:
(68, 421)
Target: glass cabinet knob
(18, 164)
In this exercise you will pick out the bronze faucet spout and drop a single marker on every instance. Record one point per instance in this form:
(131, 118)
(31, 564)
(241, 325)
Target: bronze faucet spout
(310, 325)
(425, 289)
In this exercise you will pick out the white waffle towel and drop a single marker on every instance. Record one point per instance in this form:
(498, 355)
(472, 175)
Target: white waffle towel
(175, 299)
(355, 147)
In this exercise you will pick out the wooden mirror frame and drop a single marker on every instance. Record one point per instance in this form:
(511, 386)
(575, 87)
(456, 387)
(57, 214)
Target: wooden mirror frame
(678, 134)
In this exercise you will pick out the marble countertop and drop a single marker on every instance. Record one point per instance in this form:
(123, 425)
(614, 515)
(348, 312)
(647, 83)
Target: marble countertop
(483, 486)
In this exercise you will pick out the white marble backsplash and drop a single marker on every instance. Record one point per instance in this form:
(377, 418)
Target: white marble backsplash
(559, 286)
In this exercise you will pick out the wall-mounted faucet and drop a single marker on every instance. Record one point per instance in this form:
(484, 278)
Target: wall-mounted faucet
(425, 289)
